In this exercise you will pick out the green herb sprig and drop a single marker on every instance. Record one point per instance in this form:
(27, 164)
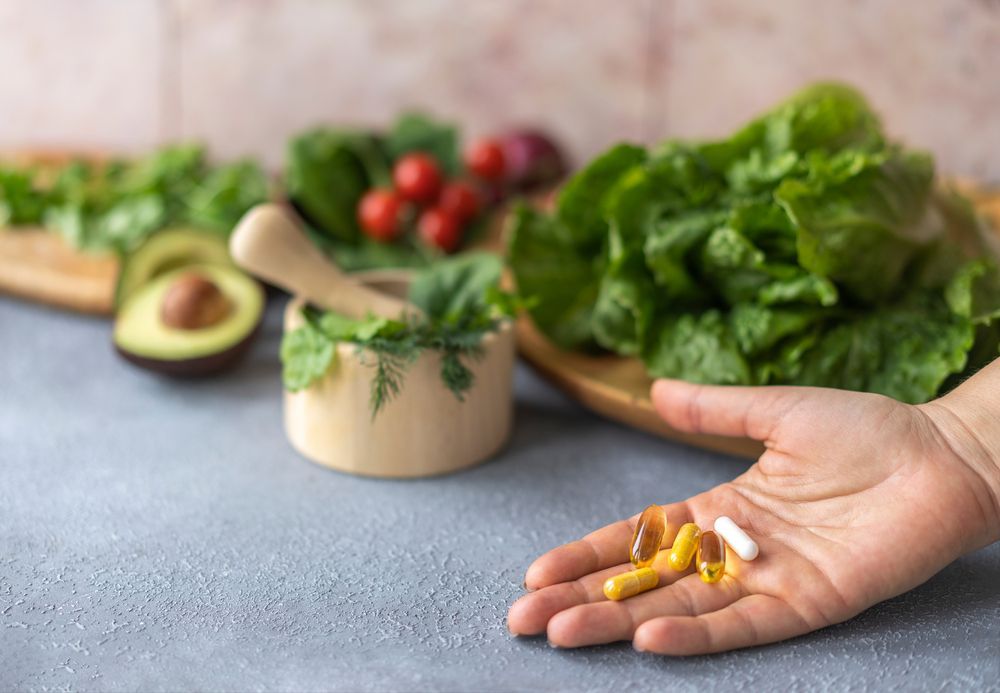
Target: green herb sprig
(460, 302)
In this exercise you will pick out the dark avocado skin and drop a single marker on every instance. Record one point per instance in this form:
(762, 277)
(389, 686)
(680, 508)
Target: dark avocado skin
(198, 367)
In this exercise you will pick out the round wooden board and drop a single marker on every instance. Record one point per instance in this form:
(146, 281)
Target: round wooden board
(618, 388)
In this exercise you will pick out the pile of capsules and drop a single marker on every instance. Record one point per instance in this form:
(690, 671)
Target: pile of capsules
(706, 548)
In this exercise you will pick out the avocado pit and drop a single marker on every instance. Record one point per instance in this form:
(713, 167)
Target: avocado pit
(191, 321)
(193, 302)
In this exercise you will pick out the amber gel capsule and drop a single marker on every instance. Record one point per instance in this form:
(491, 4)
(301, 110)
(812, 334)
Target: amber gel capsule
(684, 546)
(648, 537)
(711, 559)
(631, 583)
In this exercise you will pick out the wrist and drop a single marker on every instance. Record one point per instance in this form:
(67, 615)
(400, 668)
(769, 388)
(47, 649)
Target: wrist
(968, 420)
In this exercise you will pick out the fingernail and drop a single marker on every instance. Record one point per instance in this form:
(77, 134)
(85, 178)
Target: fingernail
(553, 645)
(636, 647)
(526, 588)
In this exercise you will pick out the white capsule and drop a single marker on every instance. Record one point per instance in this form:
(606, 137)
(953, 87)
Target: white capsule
(738, 540)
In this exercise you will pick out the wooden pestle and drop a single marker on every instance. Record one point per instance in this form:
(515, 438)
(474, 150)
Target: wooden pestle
(269, 244)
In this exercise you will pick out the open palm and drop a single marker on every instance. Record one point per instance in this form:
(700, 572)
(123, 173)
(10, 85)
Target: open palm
(856, 499)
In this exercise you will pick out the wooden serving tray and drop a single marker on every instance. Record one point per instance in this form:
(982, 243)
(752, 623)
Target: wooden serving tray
(618, 388)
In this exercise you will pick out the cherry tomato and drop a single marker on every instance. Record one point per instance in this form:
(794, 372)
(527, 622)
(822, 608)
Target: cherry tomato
(417, 178)
(379, 214)
(460, 200)
(485, 158)
(440, 229)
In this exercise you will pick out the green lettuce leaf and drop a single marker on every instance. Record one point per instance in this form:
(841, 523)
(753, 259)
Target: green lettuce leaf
(580, 207)
(669, 247)
(860, 217)
(907, 351)
(553, 272)
(804, 249)
(700, 348)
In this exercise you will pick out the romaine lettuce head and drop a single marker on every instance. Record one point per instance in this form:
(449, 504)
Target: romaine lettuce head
(806, 248)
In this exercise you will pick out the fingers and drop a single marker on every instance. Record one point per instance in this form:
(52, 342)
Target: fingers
(606, 547)
(752, 412)
(606, 621)
(530, 614)
(753, 620)
(598, 550)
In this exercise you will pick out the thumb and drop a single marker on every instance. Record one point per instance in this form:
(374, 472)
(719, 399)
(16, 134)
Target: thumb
(750, 412)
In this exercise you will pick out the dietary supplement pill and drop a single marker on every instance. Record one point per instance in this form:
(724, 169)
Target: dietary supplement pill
(711, 558)
(648, 536)
(631, 583)
(685, 546)
(738, 540)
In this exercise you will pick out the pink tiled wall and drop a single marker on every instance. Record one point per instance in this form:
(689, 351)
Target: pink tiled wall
(243, 74)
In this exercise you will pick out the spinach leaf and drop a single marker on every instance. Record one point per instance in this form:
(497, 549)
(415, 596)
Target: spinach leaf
(326, 174)
(415, 132)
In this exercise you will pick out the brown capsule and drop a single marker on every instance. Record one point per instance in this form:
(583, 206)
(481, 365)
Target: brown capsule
(711, 559)
(648, 536)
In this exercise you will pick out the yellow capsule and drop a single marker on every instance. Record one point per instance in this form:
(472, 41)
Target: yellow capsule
(648, 536)
(684, 546)
(631, 583)
(711, 560)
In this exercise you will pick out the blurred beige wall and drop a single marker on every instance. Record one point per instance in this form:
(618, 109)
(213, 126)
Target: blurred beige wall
(243, 74)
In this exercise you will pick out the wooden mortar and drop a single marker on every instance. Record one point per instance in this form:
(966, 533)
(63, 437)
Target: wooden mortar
(424, 430)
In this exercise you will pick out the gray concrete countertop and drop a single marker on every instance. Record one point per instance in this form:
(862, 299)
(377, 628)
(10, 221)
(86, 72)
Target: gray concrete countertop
(157, 535)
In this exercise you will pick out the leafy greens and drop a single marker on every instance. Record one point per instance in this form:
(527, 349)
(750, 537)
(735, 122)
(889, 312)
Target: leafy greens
(460, 303)
(806, 248)
(113, 206)
(328, 170)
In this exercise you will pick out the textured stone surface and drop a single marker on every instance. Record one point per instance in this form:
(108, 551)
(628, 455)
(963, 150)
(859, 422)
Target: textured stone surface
(163, 536)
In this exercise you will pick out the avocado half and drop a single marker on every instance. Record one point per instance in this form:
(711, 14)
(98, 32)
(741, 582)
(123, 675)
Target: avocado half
(142, 337)
(168, 250)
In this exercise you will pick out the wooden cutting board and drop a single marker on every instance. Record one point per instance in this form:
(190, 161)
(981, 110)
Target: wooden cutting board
(39, 265)
(618, 388)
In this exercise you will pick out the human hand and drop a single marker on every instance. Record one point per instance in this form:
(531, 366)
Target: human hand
(856, 499)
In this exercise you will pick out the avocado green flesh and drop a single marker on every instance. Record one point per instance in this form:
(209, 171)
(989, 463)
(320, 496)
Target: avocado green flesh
(165, 251)
(139, 330)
